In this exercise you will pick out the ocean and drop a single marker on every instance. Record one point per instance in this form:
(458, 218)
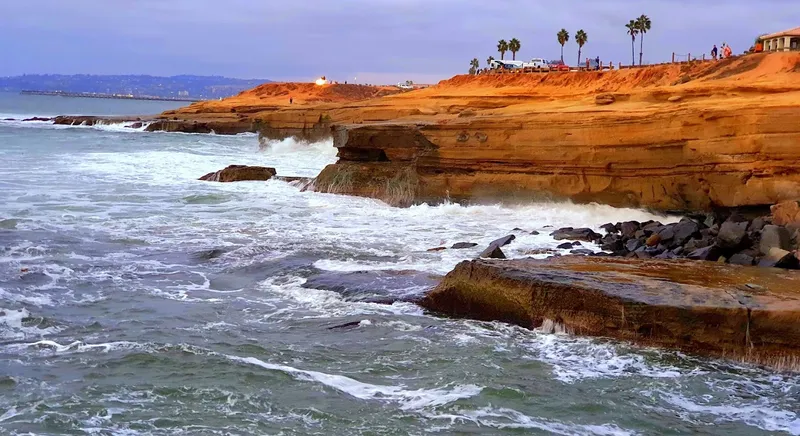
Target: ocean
(135, 299)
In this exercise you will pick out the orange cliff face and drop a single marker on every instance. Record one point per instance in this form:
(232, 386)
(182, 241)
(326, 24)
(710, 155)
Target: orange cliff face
(691, 137)
(672, 137)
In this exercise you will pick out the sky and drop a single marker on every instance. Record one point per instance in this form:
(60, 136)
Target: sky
(367, 41)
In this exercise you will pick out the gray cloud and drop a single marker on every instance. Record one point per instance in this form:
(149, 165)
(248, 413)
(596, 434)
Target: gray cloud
(374, 40)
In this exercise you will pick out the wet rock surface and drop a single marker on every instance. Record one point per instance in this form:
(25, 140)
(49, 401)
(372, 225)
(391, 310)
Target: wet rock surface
(239, 173)
(737, 312)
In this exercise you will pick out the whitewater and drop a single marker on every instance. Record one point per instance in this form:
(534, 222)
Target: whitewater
(135, 299)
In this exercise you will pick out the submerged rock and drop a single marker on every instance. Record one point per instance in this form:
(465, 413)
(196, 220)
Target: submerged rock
(492, 252)
(725, 310)
(463, 245)
(240, 173)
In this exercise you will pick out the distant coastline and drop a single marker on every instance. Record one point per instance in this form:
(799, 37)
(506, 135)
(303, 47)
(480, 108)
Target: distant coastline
(111, 96)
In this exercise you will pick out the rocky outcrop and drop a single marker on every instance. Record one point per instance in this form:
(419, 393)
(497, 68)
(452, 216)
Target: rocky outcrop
(735, 312)
(676, 158)
(220, 127)
(239, 173)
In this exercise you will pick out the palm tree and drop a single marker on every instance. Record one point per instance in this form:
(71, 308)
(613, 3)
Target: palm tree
(632, 31)
(643, 25)
(563, 37)
(581, 38)
(489, 61)
(502, 47)
(474, 64)
(513, 46)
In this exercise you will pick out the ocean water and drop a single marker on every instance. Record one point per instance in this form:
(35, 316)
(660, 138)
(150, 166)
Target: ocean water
(135, 299)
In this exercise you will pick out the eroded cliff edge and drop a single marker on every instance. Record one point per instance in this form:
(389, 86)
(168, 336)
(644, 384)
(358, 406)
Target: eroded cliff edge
(691, 137)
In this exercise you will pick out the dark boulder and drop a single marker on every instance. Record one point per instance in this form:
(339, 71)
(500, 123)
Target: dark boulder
(757, 224)
(741, 259)
(37, 119)
(493, 252)
(653, 227)
(667, 233)
(612, 242)
(239, 173)
(463, 245)
(583, 234)
(710, 253)
(633, 244)
(534, 232)
(609, 228)
(629, 228)
(565, 246)
(731, 234)
(696, 244)
(684, 230)
(136, 125)
(502, 242)
(582, 252)
(435, 249)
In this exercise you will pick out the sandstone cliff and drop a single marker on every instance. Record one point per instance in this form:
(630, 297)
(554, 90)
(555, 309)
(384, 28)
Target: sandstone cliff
(676, 137)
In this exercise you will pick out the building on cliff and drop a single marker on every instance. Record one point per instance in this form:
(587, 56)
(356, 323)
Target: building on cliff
(782, 41)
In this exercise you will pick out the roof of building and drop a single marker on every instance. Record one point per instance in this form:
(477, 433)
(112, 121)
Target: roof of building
(789, 32)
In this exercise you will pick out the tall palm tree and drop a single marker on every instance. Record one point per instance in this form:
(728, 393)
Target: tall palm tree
(563, 37)
(643, 25)
(581, 38)
(633, 30)
(474, 64)
(513, 46)
(502, 47)
(489, 61)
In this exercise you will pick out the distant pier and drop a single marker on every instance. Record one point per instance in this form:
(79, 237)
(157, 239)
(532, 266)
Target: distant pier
(114, 96)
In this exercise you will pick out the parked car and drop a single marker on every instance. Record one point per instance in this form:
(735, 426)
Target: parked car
(559, 65)
(536, 63)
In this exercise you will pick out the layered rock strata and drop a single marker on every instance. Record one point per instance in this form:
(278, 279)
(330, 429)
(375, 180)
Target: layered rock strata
(736, 312)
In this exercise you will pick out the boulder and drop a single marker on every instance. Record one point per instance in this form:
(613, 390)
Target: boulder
(463, 245)
(757, 225)
(684, 230)
(609, 228)
(667, 233)
(582, 252)
(711, 253)
(583, 234)
(565, 246)
(492, 252)
(633, 244)
(779, 258)
(700, 307)
(437, 249)
(773, 236)
(653, 240)
(742, 259)
(731, 234)
(785, 213)
(502, 242)
(136, 125)
(37, 119)
(239, 173)
(534, 232)
(629, 228)
(611, 242)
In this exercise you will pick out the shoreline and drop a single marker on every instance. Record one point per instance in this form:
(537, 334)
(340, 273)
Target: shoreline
(105, 96)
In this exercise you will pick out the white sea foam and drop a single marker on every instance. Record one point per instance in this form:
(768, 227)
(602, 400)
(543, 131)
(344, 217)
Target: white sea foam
(408, 399)
(505, 418)
(13, 328)
(760, 414)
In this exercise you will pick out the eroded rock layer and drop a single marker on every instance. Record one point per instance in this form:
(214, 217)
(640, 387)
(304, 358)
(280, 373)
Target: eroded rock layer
(737, 312)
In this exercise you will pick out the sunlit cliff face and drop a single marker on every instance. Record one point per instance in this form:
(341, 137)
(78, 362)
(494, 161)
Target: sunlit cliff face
(321, 81)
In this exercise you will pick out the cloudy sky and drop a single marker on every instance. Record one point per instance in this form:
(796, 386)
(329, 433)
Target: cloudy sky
(376, 41)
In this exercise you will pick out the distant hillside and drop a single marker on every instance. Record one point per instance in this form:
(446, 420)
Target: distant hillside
(185, 86)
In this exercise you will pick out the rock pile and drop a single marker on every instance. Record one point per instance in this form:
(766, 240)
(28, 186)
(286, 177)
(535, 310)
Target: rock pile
(736, 240)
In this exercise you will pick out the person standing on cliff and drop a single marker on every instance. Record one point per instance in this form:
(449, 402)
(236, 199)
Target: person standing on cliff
(291, 100)
(714, 52)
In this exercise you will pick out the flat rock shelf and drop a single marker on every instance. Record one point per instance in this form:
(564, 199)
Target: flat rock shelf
(741, 313)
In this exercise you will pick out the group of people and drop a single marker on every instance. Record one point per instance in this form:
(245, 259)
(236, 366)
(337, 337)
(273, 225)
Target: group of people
(726, 51)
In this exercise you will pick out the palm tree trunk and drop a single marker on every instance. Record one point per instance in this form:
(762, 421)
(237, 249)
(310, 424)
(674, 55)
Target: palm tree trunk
(513, 55)
(562, 54)
(641, 45)
(633, 51)
(579, 55)
(502, 55)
